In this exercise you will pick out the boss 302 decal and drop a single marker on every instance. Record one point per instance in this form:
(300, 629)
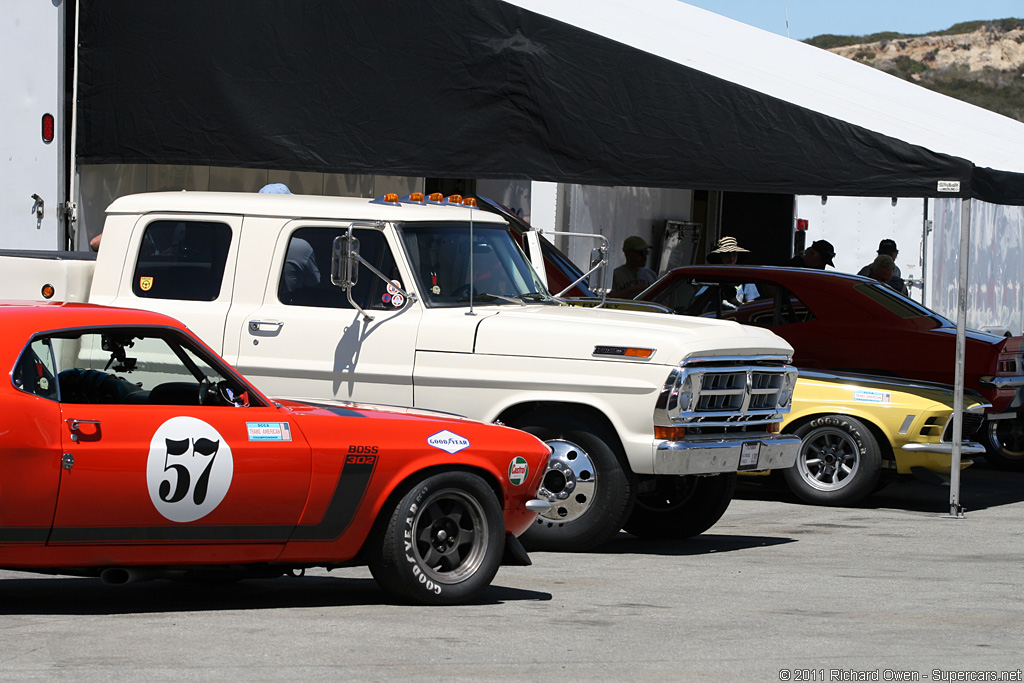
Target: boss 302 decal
(189, 469)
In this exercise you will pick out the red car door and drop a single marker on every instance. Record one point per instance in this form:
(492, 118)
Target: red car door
(181, 474)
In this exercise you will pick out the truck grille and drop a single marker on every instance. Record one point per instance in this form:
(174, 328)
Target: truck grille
(723, 395)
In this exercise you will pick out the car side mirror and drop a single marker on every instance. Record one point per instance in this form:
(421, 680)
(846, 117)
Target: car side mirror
(345, 261)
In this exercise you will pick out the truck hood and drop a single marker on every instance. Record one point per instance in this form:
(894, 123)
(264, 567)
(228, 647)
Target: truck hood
(568, 332)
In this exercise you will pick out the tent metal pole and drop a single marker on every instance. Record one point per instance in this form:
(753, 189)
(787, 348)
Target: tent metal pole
(956, 510)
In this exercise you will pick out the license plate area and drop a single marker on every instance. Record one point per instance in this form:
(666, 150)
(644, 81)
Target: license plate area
(750, 454)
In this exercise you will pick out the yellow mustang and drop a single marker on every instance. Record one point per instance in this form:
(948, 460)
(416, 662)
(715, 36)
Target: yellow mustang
(860, 431)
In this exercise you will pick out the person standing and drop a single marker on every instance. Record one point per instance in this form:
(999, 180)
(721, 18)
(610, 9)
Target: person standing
(818, 255)
(633, 276)
(887, 248)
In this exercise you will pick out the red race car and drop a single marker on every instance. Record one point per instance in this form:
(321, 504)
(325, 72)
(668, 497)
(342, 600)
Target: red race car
(131, 450)
(844, 322)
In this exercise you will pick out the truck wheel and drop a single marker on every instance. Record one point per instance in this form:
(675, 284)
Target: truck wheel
(839, 461)
(681, 507)
(443, 542)
(1004, 444)
(590, 490)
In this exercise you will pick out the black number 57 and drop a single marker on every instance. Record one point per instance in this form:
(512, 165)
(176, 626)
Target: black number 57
(182, 478)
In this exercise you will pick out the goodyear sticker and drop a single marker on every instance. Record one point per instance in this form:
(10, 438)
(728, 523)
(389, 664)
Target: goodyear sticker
(447, 441)
(269, 431)
(518, 470)
(872, 396)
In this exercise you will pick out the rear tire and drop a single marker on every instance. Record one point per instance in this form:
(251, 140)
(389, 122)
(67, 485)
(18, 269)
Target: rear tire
(682, 507)
(1004, 444)
(590, 489)
(839, 462)
(443, 542)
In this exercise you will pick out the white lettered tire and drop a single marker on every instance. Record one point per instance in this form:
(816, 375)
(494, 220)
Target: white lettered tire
(443, 542)
(839, 462)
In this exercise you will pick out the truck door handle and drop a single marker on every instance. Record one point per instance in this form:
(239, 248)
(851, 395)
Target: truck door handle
(258, 325)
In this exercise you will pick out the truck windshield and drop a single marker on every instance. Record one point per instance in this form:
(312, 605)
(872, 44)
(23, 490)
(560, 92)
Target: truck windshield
(451, 265)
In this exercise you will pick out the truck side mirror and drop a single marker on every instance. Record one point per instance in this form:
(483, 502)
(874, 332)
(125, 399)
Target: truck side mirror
(345, 261)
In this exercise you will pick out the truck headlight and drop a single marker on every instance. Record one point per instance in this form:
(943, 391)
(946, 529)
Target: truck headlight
(786, 390)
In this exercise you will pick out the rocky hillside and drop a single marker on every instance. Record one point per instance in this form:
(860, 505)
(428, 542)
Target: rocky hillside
(978, 62)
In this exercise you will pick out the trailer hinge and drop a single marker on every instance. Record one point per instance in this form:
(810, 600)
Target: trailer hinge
(68, 212)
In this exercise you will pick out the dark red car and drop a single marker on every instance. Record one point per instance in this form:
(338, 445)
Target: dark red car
(837, 321)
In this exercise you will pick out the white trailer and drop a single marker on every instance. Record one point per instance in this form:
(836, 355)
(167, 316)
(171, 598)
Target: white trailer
(34, 164)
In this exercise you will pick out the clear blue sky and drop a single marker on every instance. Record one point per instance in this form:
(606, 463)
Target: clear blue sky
(809, 18)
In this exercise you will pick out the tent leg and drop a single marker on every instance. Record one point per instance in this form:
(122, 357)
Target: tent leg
(956, 510)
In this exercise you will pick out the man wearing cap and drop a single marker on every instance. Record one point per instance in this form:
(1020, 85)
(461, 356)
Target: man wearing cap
(633, 276)
(818, 255)
(888, 248)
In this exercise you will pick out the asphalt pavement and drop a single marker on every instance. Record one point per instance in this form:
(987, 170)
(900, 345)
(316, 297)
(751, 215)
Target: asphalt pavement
(893, 589)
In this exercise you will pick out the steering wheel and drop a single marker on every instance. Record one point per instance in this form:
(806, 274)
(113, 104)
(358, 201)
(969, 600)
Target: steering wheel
(215, 393)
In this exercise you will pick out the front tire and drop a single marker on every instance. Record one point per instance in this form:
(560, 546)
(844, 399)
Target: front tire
(443, 542)
(681, 507)
(839, 461)
(590, 489)
(1004, 444)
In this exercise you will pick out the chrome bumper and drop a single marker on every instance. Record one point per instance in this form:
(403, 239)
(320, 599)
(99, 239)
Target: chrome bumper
(966, 448)
(777, 451)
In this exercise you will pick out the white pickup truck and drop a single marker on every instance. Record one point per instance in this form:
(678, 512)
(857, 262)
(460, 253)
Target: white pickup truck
(433, 304)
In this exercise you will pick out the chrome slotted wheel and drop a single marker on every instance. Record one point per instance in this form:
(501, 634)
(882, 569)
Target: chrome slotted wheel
(829, 459)
(450, 535)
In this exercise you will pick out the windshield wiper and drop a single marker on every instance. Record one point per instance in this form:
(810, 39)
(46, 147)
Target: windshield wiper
(486, 296)
(536, 296)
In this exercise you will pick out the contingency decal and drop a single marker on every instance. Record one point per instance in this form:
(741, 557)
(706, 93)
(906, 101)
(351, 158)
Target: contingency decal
(189, 469)
(449, 442)
(146, 283)
(518, 470)
(269, 431)
(872, 396)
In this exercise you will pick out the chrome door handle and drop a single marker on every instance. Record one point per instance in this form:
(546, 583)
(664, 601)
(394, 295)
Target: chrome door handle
(257, 325)
(74, 424)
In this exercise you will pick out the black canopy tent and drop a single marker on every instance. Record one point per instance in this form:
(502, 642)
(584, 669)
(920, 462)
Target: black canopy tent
(463, 88)
(491, 89)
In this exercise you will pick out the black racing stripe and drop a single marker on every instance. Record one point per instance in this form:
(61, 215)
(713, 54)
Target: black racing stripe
(169, 534)
(347, 496)
(24, 536)
(337, 410)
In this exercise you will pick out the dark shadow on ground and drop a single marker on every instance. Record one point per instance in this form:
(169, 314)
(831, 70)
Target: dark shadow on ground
(705, 544)
(35, 594)
(981, 487)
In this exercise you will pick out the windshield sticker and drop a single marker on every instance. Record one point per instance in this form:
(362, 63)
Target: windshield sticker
(393, 287)
(189, 469)
(872, 396)
(269, 431)
(518, 470)
(146, 283)
(397, 300)
(449, 442)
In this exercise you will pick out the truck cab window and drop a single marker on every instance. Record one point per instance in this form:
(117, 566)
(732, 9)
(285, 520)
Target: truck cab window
(182, 260)
(306, 273)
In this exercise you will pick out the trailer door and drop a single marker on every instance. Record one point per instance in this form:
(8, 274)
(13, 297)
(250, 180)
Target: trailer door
(32, 85)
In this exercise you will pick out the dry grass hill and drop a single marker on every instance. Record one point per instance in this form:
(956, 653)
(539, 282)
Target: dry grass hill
(981, 62)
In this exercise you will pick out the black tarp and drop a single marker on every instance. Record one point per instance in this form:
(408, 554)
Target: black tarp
(460, 88)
